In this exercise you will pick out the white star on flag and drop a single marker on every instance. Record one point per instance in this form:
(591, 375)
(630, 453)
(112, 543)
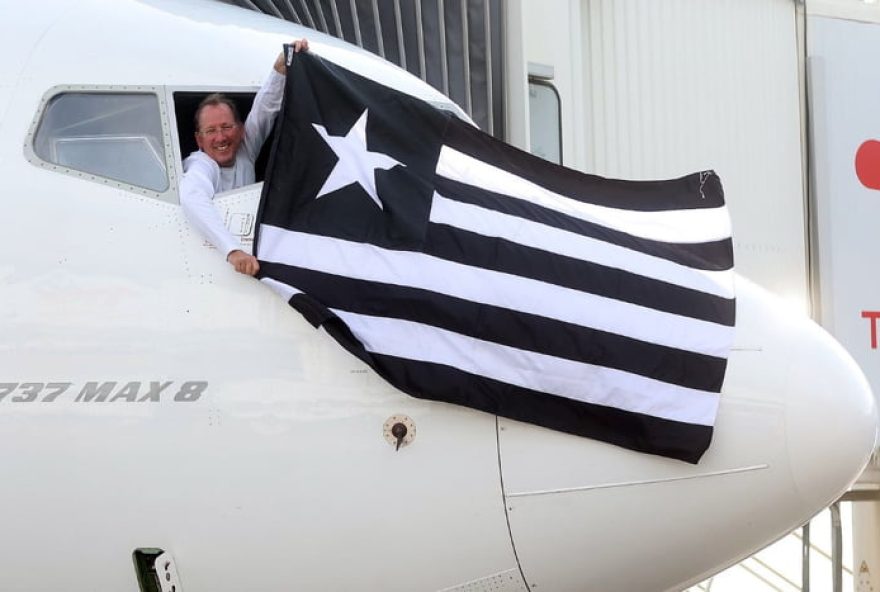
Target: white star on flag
(356, 164)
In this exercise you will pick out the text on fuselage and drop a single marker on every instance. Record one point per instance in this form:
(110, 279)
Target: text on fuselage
(111, 391)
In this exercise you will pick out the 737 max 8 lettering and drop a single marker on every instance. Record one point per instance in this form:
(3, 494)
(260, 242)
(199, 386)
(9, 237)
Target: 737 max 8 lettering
(110, 391)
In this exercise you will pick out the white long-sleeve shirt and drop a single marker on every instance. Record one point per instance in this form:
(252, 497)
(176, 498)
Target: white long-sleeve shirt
(203, 178)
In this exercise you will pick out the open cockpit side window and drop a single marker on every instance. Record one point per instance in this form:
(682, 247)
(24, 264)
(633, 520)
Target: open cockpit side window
(185, 105)
(105, 136)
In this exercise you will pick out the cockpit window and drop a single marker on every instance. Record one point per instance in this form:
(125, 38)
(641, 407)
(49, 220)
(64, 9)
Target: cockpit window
(185, 105)
(112, 135)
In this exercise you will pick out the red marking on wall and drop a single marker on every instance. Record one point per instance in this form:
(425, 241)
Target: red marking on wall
(873, 315)
(868, 164)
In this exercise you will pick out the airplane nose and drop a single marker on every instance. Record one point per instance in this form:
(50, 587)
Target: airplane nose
(796, 424)
(831, 417)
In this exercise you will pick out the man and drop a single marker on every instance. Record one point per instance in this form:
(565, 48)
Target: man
(225, 159)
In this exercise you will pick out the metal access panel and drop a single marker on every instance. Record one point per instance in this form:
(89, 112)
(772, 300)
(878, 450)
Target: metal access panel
(454, 45)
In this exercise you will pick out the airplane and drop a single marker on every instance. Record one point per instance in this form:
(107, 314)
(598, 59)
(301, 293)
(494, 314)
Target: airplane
(168, 424)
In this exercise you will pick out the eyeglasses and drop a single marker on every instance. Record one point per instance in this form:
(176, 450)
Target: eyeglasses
(213, 131)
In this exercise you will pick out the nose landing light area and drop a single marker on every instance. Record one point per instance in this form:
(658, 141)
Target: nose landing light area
(831, 424)
(797, 423)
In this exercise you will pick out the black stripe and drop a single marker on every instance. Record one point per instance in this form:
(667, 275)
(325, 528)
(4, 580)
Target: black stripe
(698, 190)
(711, 256)
(635, 431)
(499, 325)
(436, 382)
(498, 254)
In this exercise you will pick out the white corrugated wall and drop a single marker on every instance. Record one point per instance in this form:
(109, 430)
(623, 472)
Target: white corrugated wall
(655, 89)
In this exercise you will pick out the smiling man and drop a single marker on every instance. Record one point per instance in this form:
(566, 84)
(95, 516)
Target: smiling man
(225, 159)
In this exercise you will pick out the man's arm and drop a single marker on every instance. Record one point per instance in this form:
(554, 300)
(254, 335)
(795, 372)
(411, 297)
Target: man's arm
(197, 188)
(267, 103)
(259, 121)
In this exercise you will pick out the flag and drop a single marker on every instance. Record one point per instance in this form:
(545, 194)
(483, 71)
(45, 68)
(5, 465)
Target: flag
(464, 270)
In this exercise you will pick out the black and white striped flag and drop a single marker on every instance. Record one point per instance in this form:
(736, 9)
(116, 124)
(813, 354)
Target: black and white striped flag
(464, 270)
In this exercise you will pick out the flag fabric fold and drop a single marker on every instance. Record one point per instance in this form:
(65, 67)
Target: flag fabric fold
(464, 270)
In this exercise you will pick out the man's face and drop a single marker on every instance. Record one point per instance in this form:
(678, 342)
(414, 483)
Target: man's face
(219, 135)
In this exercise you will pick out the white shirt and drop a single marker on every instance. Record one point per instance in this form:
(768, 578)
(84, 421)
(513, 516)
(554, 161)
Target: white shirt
(203, 178)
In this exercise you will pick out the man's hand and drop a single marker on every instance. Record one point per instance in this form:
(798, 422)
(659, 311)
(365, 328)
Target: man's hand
(243, 263)
(281, 62)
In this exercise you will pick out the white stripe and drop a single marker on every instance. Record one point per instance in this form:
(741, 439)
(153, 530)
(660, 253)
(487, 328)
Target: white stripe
(674, 226)
(539, 372)
(548, 238)
(280, 288)
(404, 268)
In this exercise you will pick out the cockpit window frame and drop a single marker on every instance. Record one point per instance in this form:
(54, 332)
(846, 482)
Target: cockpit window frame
(169, 195)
